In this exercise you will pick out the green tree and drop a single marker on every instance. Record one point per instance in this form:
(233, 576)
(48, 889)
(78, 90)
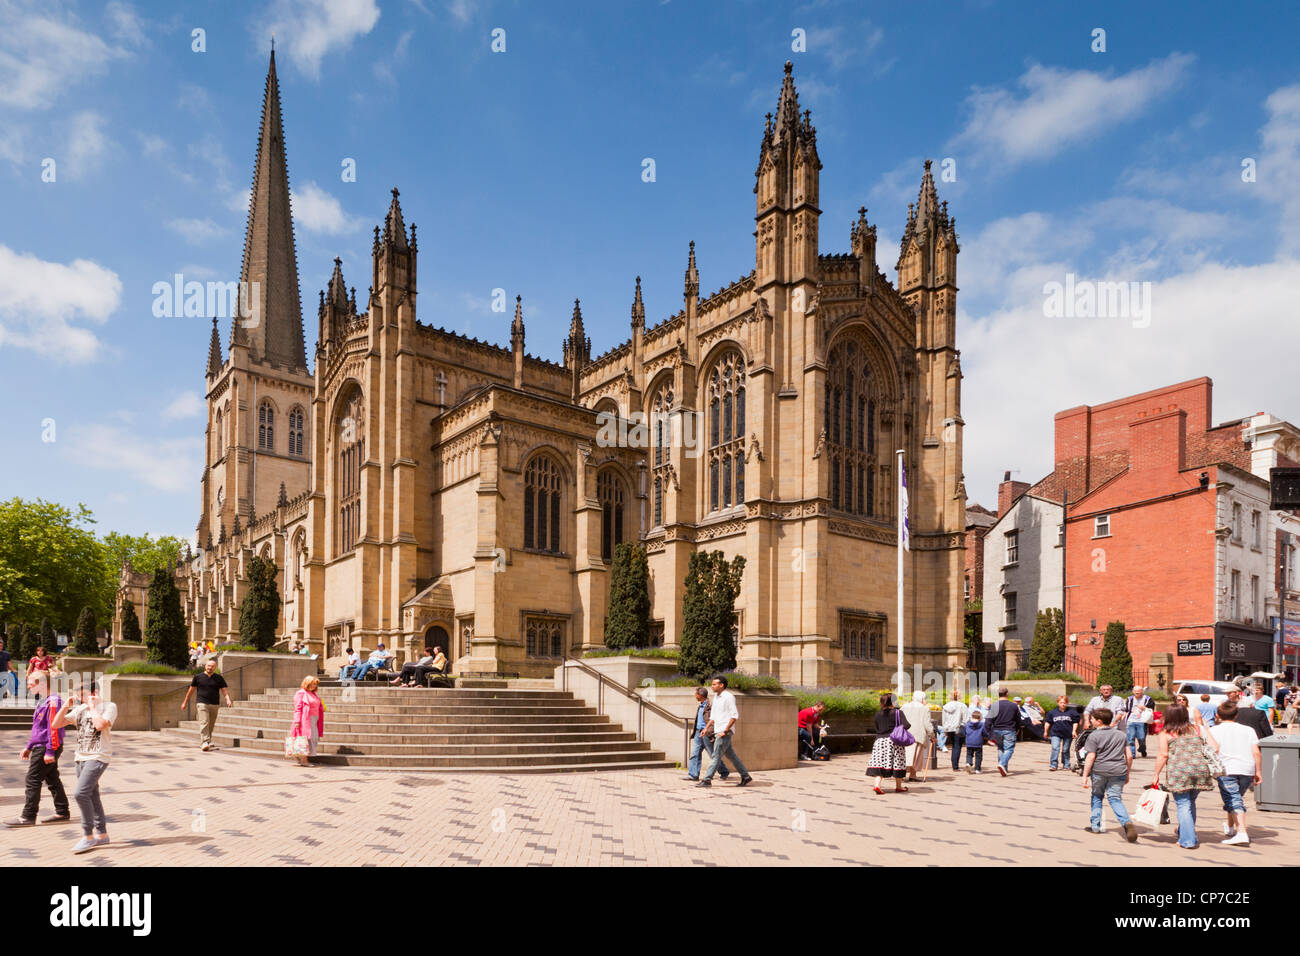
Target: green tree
(130, 624)
(974, 625)
(259, 615)
(1047, 653)
(86, 640)
(708, 613)
(165, 631)
(24, 644)
(1116, 661)
(46, 638)
(50, 562)
(145, 553)
(628, 622)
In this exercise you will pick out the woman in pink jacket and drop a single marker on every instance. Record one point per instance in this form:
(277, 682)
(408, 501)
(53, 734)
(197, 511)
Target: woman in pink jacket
(308, 725)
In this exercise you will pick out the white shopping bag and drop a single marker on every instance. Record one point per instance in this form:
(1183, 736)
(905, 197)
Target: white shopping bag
(1151, 807)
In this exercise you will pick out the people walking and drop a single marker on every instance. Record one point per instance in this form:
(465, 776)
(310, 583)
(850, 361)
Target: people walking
(1105, 698)
(1207, 711)
(1005, 722)
(701, 744)
(308, 725)
(1062, 728)
(40, 661)
(1138, 711)
(952, 727)
(1184, 758)
(210, 686)
(44, 747)
(93, 718)
(977, 735)
(1242, 767)
(7, 673)
(723, 717)
(1106, 767)
(888, 756)
(917, 712)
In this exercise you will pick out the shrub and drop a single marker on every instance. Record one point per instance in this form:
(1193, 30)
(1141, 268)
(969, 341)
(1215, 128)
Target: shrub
(628, 622)
(840, 701)
(130, 624)
(165, 630)
(259, 615)
(736, 681)
(1051, 675)
(667, 653)
(85, 643)
(1116, 661)
(708, 611)
(1047, 652)
(150, 668)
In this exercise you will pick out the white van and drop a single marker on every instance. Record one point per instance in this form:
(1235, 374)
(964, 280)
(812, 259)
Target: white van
(1193, 689)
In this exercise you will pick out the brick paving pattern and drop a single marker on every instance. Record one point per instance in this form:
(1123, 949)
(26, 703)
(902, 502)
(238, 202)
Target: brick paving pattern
(169, 804)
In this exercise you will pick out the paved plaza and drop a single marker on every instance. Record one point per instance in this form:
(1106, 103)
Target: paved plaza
(169, 804)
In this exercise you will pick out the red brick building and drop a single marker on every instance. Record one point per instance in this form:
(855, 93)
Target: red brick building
(1167, 530)
(978, 521)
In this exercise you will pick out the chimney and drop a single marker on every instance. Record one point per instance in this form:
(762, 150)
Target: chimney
(1158, 441)
(1009, 491)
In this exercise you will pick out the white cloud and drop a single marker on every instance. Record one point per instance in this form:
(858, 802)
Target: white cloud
(40, 301)
(1279, 162)
(87, 145)
(1057, 108)
(196, 231)
(384, 69)
(41, 57)
(315, 210)
(845, 45)
(239, 200)
(169, 464)
(184, 405)
(462, 11)
(152, 144)
(309, 30)
(125, 23)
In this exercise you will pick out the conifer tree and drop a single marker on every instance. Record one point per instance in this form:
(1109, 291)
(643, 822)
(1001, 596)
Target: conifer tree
(1047, 653)
(25, 643)
(85, 641)
(130, 624)
(45, 638)
(1116, 661)
(165, 631)
(628, 622)
(259, 614)
(708, 611)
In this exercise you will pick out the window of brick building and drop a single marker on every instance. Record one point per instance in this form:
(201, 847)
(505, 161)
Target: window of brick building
(1254, 599)
(1101, 526)
(1009, 609)
(1013, 547)
(1256, 536)
(1236, 523)
(1234, 597)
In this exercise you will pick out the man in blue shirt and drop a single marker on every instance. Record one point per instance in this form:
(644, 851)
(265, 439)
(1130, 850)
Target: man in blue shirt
(699, 743)
(1005, 722)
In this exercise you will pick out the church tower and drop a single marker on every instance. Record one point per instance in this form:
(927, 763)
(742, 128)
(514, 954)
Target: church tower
(259, 398)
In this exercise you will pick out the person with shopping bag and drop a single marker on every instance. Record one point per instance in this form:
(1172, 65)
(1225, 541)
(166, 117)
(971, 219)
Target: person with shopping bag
(308, 725)
(889, 753)
(1191, 764)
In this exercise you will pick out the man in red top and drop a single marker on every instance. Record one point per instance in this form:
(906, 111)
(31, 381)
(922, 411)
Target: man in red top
(809, 736)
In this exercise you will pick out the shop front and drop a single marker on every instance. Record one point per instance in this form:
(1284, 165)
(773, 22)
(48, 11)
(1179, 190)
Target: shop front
(1287, 635)
(1241, 650)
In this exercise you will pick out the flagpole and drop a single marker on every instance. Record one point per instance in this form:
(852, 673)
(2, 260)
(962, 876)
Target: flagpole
(902, 517)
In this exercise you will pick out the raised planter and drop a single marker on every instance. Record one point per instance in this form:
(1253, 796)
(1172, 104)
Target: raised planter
(1022, 688)
(136, 711)
(631, 671)
(251, 672)
(125, 653)
(87, 668)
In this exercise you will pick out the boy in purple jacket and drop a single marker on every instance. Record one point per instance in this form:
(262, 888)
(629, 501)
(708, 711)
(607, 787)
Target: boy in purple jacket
(42, 753)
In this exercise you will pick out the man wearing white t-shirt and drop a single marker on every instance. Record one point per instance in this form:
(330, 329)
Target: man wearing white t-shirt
(1242, 766)
(722, 722)
(93, 717)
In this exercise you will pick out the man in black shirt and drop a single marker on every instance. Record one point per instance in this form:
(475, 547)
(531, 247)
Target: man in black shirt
(210, 686)
(1005, 721)
(1248, 716)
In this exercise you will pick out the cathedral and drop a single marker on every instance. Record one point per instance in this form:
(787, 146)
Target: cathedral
(417, 486)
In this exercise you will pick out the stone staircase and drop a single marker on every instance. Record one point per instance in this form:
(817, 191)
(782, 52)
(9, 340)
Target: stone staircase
(16, 718)
(493, 729)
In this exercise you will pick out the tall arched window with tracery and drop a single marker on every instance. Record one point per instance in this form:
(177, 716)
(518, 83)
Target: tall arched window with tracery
(850, 424)
(726, 404)
(295, 430)
(266, 425)
(218, 437)
(543, 486)
(661, 436)
(613, 504)
(349, 454)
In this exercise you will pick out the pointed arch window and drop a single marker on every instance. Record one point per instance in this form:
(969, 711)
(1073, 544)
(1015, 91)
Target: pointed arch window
(266, 425)
(218, 438)
(613, 502)
(295, 430)
(543, 484)
(350, 452)
(850, 424)
(726, 458)
(661, 409)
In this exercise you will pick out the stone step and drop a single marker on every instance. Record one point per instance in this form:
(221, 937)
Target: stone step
(524, 735)
(578, 749)
(430, 711)
(406, 725)
(432, 693)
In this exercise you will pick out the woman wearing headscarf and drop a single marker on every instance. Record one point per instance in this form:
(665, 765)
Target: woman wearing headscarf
(888, 759)
(917, 712)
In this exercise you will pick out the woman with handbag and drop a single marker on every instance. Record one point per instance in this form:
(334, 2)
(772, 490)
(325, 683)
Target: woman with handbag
(889, 755)
(308, 725)
(1191, 764)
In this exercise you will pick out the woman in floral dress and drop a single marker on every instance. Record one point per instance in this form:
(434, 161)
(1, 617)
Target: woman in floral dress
(1185, 758)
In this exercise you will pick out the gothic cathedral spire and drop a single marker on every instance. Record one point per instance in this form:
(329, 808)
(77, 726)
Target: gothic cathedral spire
(271, 324)
(786, 187)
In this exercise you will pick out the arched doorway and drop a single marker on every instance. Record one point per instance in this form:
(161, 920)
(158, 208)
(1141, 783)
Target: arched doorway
(437, 636)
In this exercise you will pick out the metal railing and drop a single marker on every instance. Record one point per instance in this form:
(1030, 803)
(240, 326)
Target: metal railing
(642, 704)
(191, 708)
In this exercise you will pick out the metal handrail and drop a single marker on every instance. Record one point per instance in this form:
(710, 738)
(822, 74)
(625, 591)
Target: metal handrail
(642, 703)
(190, 710)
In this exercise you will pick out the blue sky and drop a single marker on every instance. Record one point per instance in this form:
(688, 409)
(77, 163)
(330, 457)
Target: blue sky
(523, 171)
